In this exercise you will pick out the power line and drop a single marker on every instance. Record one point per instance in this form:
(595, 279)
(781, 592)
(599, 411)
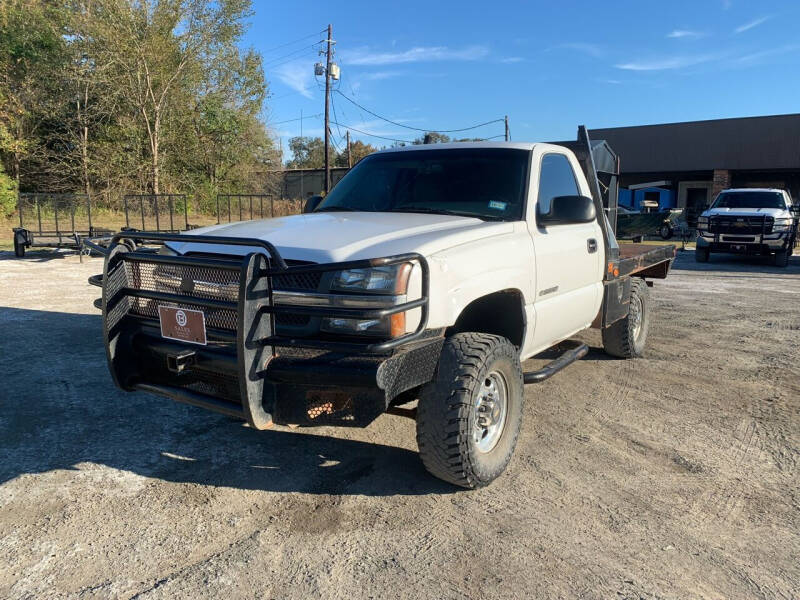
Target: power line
(292, 42)
(335, 117)
(381, 137)
(292, 54)
(296, 119)
(374, 114)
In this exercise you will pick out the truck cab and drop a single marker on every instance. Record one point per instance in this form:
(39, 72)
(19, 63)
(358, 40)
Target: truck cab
(418, 286)
(753, 221)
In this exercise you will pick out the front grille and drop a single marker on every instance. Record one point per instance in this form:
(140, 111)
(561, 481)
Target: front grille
(300, 281)
(748, 225)
(189, 281)
(199, 282)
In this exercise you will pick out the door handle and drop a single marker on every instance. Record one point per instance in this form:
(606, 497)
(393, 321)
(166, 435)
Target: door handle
(591, 245)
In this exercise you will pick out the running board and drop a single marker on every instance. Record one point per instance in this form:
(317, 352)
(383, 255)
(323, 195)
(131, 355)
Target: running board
(575, 352)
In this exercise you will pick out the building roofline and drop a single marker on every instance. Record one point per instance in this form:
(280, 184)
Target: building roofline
(755, 117)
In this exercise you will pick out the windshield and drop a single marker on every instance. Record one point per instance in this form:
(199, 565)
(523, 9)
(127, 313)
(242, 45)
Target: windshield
(750, 200)
(487, 183)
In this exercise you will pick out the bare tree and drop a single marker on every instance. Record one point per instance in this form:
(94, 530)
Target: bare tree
(157, 47)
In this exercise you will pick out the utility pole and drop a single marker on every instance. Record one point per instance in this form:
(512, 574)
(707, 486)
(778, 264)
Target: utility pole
(327, 184)
(508, 133)
(349, 157)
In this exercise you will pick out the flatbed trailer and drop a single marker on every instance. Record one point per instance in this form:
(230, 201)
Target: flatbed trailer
(54, 221)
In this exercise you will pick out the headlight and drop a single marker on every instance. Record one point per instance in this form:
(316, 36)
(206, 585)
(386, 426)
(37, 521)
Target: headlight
(702, 222)
(386, 280)
(391, 279)
(782, 225)
(378, 327)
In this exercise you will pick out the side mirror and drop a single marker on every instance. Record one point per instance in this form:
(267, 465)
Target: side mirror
(312, 204)
(568, 209)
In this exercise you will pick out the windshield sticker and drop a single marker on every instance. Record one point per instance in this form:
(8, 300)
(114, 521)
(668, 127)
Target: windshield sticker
(497, 205)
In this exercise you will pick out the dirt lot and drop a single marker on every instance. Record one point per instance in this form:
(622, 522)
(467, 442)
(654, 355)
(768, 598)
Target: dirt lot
(674, 476)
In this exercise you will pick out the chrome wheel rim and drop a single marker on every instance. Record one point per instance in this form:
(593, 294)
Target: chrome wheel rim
(491, 407)
(636, 310)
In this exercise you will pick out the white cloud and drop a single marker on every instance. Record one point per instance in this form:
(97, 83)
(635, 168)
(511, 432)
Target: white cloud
(751, 24)
(757, 57)
(298, 75)
(685, 33)
(511, 59)
(365, 56)
(590, 49)
(667, 63)
(379, 75)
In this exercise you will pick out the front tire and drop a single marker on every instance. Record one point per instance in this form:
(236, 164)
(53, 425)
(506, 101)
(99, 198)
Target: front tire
(665, 231)
(782, 258)
(627, 337)
(469, 415)
(701, 255)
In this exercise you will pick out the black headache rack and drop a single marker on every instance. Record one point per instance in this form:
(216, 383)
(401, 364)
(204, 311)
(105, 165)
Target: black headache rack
(238, 371)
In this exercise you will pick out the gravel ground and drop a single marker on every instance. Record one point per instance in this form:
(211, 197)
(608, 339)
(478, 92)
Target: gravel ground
(673, 476)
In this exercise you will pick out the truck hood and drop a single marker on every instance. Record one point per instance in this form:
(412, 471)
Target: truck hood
(332, 237)
(778, 213)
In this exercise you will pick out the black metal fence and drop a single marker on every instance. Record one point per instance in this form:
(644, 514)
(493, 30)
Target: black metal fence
(156, 212)
(244, 207)
(54, 215)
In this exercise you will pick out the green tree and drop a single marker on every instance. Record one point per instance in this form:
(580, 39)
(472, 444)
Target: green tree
(358, 150)
(309, 153)
(433, 137)
(160, 47)
(32, 51)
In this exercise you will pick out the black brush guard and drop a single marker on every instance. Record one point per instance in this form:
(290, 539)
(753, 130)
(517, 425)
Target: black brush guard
(228, 375)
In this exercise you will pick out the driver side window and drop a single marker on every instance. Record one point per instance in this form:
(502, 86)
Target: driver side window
(556, 179)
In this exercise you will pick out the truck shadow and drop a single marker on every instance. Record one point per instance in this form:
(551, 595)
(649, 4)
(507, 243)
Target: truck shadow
(38, 255)
(59, 410)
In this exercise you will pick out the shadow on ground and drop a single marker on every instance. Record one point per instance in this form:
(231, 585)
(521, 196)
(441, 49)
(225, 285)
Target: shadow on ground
(59, 409)
(732, 263)
(38, 255)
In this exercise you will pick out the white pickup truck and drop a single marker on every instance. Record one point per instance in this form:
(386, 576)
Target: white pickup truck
(749, 221)
(428, 274)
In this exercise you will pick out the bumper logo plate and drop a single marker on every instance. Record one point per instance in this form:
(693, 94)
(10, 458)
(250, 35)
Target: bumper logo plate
(182, 324)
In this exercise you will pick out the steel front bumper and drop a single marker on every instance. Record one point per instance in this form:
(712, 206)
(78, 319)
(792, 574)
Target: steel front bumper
(746, 245)
(246, 369)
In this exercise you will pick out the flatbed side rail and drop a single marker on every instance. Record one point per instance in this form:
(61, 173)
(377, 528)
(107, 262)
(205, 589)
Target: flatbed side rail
(646, 261)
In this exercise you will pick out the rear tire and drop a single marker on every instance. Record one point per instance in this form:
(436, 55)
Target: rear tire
(19, 245)
(781, 258)
(702, 255)
(469, 415)
(627, 337)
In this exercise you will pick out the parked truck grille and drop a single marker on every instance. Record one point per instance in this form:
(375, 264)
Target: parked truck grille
(749, 225)
(198, 282)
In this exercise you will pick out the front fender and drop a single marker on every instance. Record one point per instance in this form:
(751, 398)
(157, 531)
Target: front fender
(462, 274)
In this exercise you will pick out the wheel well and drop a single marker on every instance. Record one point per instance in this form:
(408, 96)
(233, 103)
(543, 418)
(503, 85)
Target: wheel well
(501, 313)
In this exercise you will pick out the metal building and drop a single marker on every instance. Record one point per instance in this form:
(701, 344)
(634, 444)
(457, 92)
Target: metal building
(697, 159)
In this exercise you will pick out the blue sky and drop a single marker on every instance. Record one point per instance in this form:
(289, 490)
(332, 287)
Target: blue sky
(549, 66)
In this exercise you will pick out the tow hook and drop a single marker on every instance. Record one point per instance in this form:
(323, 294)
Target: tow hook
(179, 361)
